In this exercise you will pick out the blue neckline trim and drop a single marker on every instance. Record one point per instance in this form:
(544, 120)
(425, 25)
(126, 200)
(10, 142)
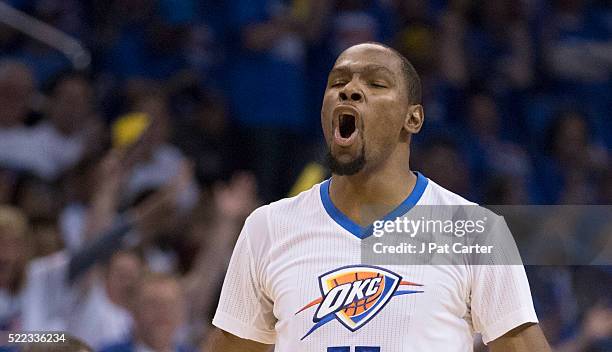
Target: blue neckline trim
(364, 232)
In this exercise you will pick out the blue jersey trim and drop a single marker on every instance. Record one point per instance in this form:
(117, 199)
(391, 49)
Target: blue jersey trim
(364, 232)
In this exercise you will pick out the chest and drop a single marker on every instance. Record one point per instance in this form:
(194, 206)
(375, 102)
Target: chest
(316, 281)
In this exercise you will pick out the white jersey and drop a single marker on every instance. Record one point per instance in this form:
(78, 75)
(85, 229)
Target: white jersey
(294, 253)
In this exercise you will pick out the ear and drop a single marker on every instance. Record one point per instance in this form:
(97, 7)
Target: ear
(414, 119)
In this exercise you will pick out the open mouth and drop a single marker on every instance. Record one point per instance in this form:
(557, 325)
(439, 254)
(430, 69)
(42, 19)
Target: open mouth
(347, 125)
(346, 129)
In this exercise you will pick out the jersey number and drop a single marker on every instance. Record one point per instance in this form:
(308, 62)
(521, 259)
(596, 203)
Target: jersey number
(357, 349)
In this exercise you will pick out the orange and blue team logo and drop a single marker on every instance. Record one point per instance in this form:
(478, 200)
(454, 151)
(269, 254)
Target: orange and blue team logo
(353, 295)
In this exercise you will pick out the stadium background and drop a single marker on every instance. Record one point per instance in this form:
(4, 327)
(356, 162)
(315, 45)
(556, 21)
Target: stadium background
(191, 113)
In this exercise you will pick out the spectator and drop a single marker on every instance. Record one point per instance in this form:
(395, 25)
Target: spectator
(357, 21)
(487, 46)
(505, 189)
(14, 229)
(594, 332)
(486, 150)
(159, 313)
(498, 46)
(78, 187)
(72, 124)
(18, 150)
(46, 238)
(38, 198)
(577, 51)
(157, 160)
(555, 300)
(268, 35)
(17, 91)
(204, 133)
(577, 44)
(51, 147)
(148, 39)
(66, 292)
(453, 29)
(233, 201)
(416, 35)
(442, 160)
(573, 163)
(93, 309)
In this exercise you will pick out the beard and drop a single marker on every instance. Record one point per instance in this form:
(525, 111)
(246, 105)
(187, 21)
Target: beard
(345, 168)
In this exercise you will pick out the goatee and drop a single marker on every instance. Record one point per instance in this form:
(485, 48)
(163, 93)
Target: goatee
(345, 169)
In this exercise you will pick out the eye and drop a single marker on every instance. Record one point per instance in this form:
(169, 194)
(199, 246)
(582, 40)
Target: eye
(338, 83)
(378, 85)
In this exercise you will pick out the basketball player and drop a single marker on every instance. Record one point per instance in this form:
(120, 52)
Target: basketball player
(296, 265)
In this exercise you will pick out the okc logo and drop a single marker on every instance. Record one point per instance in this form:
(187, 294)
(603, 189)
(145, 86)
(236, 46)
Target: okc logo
(353, 295)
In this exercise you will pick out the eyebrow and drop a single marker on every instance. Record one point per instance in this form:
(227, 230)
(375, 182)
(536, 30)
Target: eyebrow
(366, 68)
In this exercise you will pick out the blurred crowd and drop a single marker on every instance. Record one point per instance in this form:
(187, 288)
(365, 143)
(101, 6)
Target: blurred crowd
(124, 186)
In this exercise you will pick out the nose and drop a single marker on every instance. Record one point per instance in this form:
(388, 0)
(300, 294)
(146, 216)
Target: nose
(351, 93)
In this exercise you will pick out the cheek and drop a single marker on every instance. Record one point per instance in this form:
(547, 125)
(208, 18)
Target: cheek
(379, 135)
(384, 128)
(328, 102)
(326, 114)
(384, 117)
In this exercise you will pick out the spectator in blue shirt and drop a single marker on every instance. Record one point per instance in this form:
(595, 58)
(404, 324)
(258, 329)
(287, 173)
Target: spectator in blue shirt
(266, 86)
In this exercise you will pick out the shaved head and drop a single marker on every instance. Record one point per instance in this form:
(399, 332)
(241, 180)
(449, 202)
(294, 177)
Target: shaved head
(370, 108)
(410, 76)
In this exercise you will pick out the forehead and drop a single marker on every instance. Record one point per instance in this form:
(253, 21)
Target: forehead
(359, 57)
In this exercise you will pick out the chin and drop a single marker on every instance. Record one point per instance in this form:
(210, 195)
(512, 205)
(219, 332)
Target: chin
(338, 165)
(345, 158)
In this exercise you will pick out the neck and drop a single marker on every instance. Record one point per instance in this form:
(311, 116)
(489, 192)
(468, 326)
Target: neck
(371, 194)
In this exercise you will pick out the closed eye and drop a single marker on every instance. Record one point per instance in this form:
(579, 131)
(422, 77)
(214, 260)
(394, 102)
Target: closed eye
(377, 85)
(338, 84)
